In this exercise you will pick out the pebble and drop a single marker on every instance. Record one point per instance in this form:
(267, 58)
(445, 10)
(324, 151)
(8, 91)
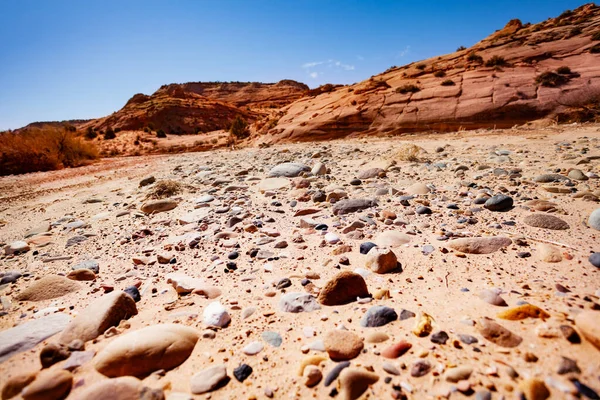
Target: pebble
(253, 348)
(335, 372)
(289, 170)
(534, 389)
(497, 334)
(396, 350)
(420, 368)
(594, 219)
(378, 316)
(492, 296)
(459, 373)
(312, 375)
(92, 265)
(123, 388)
(499, 202)
(242, 372)
(352, 205)
(381, 261)
(216, 315)
(480, 245)
(594, 259)
(366, 247)
(16, 247)
(440, 337)
(342, 345)
(156, 206)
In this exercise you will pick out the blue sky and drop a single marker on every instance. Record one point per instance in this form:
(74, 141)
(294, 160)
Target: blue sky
(74, 59)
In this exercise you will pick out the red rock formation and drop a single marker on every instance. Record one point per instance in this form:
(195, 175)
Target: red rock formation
(461, 91)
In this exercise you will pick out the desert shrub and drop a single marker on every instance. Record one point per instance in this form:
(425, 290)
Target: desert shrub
(408, 88)
(575, 31)
(496, 61)
(461, 48)
(109, 134)
(147, 130)
(564, 70)
(448, 82)
(409, 152)
(551, 79)
(214, 141)
(439, 74)
(164, 189)
(420, 66)
(596, 36)
(565, 14)
(474, 57)
(161, 134)
(117, 130)
(239, 128)
(43, 149)
(151, 126)
(595, 49)
(90, 133)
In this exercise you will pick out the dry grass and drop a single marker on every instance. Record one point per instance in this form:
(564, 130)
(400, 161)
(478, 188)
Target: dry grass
(43, 149)
(409, 152)
(164, 189)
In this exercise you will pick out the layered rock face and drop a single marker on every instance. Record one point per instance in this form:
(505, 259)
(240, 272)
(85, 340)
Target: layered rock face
(201, 107)
(498, 82)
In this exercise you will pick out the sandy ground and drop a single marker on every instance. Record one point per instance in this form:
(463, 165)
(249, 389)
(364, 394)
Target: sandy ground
(428, 283)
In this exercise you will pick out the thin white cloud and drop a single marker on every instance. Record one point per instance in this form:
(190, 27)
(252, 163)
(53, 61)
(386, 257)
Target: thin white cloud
(403, 52)
(360, 58)
(311, 64)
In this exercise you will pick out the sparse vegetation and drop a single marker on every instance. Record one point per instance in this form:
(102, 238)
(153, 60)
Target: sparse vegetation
(43, 149)
(109, 134)
(596, 36)
(164, 189)
(575, 31)
(410, 152)
(448, 82)
(461, 48)
(439, 74)
(496, 61)
(239, 128)
(595, 49)
(475, 58)
(564, 70)
(421, 66)
(408, 88)
(161, 134)
(90, 133)
(551, 79)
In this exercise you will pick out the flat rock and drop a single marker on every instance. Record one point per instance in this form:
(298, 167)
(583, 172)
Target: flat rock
(49, 287)
(459, 373)
(289, 170)
(82, 274)
(546, 221)
(348, 206)
(588, 323)
(343, 288)
(92, 265)
(269, 184)
(16, 247)
(298, 302)
(209, 379)
(156, 206)
(123, 388)
(392, 239)
(138, 353)
(479, 245)
(183, 283)
(497, 334)
(28, 334)
(500, 202)
(396, 350)
(109, 310)
(342, 345)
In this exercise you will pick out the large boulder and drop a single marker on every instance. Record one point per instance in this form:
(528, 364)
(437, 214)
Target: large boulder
(138, 353)
(100, 315)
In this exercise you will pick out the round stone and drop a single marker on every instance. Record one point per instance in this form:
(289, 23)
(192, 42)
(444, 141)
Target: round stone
(499, 202)
(342, 345)
(378, 316)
